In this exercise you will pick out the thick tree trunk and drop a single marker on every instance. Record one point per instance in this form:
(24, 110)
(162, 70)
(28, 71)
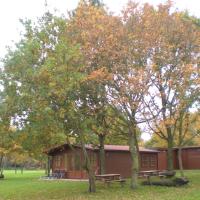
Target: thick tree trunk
(1, 165)
(15, 168)
(92, 185)
(180, 162)
(88, 167)
(102, 154)
(134, 159)
(170, 164)
(48, 166)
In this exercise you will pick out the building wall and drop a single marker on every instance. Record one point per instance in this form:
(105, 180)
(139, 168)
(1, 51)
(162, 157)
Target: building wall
(190, 159)
(119, 162)
(72, 162)
(115, 162)
(162, 160)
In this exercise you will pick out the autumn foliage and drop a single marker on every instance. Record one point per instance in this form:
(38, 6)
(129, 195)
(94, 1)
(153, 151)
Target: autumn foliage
(82, 77)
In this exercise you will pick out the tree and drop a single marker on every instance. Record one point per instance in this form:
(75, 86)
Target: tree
(130, 80)
(93, 29)
(48, 71)
(189, 133)
(188, 130)
(9, 139)
(26, 70)
(173, 61)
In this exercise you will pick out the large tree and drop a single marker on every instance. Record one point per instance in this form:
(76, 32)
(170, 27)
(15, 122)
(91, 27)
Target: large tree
(48, 70)
(173, 61)
(94, 30)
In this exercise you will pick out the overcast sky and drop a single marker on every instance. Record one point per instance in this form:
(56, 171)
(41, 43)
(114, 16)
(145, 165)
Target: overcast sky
(12, 10)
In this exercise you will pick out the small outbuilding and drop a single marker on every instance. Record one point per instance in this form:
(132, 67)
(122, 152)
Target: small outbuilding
(69, 159)
(190, 158)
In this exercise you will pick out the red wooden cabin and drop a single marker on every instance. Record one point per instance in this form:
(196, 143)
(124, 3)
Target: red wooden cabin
(69, 159)
(190, 157)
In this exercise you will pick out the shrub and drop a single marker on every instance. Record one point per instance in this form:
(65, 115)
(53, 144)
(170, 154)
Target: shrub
(175, 182)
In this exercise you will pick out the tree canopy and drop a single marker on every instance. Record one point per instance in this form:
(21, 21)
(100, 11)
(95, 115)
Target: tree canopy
(94, 77)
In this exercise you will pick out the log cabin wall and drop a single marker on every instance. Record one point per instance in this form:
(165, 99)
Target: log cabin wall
(71, 161)
(190, 158)
(119, 162)
(162, 160)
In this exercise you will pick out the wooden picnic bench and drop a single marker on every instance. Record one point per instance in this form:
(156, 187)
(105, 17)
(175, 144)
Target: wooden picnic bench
(150, 173)
(110, 178)
(161, 174)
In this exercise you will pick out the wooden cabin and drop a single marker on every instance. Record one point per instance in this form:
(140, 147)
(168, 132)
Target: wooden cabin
(190, 157)
(69, 159)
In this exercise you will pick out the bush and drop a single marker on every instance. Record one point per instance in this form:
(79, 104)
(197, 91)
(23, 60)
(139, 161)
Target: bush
(180, 181)
(175, 182)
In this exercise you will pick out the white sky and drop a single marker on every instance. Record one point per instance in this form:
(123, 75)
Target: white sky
(12, 10)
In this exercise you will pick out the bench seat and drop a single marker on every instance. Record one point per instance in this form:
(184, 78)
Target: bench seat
(121, 181)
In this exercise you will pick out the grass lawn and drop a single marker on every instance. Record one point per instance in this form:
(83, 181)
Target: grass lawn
(27, 186)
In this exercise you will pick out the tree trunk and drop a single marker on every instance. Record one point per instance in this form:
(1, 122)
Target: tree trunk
(134, 159)
(22, 169)
(102, 154)
(15, 168)
(48, 166)
(180, 162)
(89, 169)
(170, 164)
(92, 185)
(1, 165)
(170, 158)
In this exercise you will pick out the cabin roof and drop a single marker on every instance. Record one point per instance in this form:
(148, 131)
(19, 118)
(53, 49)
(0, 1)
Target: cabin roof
(176, 148)
(126, 148)
(123, 148)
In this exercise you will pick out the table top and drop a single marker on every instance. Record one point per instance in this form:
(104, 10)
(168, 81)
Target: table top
(149, 171)
(107, 175)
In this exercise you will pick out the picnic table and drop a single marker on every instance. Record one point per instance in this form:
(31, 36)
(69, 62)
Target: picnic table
(150, 173)
(109, 178)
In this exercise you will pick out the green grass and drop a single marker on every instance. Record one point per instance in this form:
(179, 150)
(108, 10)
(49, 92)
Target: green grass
(27, 186)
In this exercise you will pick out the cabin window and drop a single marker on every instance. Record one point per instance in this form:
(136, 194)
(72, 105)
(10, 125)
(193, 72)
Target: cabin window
(70, 162)
(148, 161)
(73, 161)
(145, 161)
(57, 161)
(77, 162)
(153, 162)
(93, 159)
(65, 160)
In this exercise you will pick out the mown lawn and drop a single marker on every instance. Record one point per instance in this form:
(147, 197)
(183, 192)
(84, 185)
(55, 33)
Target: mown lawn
(29, 187)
